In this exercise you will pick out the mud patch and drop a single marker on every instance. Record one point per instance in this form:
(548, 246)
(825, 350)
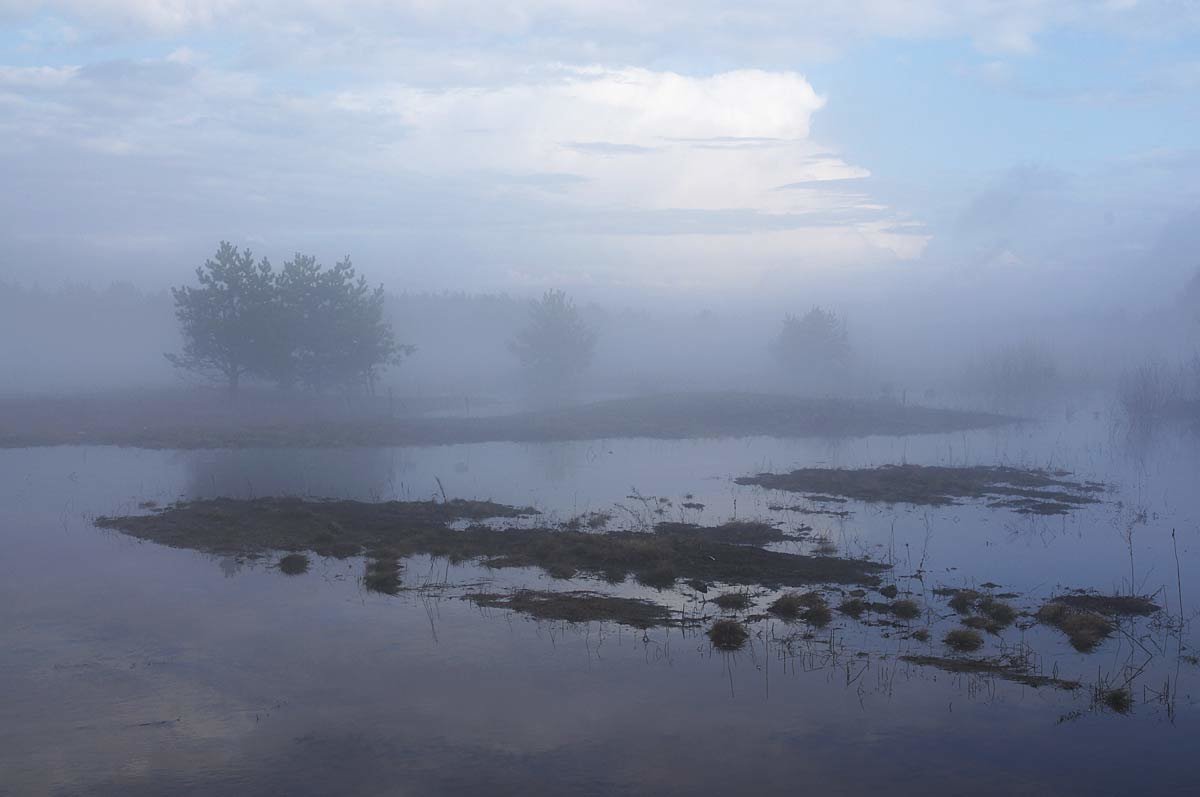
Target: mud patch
(1007, 669)
(577, 607)
(1025, 491)
(726, 554)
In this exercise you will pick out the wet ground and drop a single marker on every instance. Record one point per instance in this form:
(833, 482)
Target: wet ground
(132, 668)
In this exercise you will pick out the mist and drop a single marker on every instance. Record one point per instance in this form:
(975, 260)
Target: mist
(654, 184)
(599, 397)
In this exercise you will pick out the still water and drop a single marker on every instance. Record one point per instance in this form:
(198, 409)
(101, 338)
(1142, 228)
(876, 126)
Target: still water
(129, 668)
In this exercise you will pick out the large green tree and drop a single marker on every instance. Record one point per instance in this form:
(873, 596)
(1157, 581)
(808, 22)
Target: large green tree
(228, 320)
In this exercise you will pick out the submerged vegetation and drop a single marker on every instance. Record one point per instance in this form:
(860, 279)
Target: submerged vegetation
(734, 601)
(807, 606)
(294, 564)
(736, 553)
(987, 612)
(1014, 669)
(382, 574)
(965, 640)
(577, 607)
(397, 529)
(1023, 490)
(1119, 699)
(1088, 619)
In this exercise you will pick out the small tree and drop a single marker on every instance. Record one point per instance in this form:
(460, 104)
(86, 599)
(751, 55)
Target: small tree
(228, 319)
(334, 326)
(815, 343)
(557, 343)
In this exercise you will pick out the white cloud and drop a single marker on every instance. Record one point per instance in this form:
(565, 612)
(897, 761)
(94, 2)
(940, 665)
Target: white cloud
(16, 77)
(654, 140)
(520, 127)
(664, 156)
(994, 25)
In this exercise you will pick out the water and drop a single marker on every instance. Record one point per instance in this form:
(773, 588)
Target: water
(129, 668)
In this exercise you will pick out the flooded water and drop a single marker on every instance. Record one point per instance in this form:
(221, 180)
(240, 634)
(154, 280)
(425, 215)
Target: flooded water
(131, 668)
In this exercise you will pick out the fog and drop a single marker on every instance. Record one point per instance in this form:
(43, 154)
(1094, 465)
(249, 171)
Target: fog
(599, 396)
(950, 179)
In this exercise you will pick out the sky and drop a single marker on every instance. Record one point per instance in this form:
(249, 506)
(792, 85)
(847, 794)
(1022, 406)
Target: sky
(1029, 149)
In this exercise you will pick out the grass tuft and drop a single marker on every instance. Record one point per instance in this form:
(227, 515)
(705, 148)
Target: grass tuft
(577, 607)
(1084, 629)
(807, 606)
(728, 635)
(734, 601)
(294, 564)
(964, 640)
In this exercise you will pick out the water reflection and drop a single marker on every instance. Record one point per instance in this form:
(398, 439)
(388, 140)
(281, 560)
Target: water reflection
(128, 668)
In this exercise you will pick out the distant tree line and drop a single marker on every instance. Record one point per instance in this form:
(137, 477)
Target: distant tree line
(305, 325)
(302, 325)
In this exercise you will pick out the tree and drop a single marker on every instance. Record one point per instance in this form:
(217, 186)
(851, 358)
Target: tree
(228, 319)
(334, 326)
(556, 343)
(302, 325)
(815, 343)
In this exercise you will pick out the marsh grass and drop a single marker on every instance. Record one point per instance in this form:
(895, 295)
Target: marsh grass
(294, 564)
(825, 546)
(1015, 669)
(961, 600)
(382, 574)
(992, 614)
(964, 640)
(807, 606)
(578, 607)
(590, 520)
(1023, 490)
(734, 601)
(1119, 700)
(162, 422)
(728, 635)
(1087, 619)
(1001, 614)
(853, 607)
(1114, 605)
(729, 554)
(1084, 629)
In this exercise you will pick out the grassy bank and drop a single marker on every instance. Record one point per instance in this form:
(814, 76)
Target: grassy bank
(187, 422)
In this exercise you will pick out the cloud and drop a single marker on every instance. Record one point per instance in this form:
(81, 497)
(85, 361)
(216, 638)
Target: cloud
(136, 151)
(604, 26)
(615, 136)
(607, 148)
(538, 128)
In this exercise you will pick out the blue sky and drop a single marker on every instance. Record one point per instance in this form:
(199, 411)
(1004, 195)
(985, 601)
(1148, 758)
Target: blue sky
(616, 146)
